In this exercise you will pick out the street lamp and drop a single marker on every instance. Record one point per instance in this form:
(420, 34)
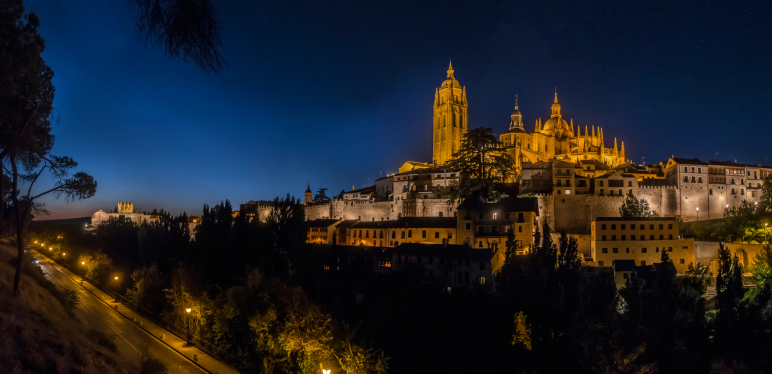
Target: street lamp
(116, 289)
(698, 214)
(188, 310)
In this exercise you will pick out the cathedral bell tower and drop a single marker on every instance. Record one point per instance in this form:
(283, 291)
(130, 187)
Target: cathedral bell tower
(450, 119)
(309, 196)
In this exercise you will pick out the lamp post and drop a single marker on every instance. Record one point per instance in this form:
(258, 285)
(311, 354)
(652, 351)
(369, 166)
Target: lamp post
(188, 310)
(116, 289)
(698, 214)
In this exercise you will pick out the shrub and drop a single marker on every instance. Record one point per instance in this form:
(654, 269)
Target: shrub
(104, 340)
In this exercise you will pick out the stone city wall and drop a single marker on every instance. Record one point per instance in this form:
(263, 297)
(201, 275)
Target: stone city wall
(706, 253)
(378, 211)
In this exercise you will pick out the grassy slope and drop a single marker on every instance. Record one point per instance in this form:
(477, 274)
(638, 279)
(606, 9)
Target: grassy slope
(39, 335)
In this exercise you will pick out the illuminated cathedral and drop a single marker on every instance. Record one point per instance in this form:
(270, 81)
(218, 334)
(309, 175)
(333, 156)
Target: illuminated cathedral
(553, 139)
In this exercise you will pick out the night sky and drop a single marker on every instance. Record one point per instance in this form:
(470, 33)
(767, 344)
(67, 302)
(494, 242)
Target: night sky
(339, 93)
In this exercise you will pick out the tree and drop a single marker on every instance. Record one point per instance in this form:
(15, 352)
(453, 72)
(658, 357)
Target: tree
(633, 207)
(185, 29)
(482, 162)
(321, 196)
(761, 268)
(766, 197)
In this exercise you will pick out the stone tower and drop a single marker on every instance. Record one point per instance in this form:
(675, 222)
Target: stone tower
(450, 118)
(309, 196)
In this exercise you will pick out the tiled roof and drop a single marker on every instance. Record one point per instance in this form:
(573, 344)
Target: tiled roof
(322, 222)
(409, 222)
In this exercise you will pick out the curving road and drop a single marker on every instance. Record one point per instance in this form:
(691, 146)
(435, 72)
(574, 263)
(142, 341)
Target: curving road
(132, 341)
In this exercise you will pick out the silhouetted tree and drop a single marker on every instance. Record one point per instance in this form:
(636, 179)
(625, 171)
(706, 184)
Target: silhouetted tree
(321, 196)
(633, 207)
(185, 29)
(482, 163)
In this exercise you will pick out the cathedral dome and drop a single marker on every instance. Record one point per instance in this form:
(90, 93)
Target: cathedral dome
(555, 123)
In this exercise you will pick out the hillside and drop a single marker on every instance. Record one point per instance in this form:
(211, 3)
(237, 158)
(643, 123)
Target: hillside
(40, 333)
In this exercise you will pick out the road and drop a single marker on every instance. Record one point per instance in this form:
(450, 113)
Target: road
(131, 339)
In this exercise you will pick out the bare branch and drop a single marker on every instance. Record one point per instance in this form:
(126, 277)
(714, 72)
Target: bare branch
(186, 29)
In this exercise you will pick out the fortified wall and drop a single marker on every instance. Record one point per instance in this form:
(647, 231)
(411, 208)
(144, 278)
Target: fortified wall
(367, 210)
(706, 253)
(574, 213)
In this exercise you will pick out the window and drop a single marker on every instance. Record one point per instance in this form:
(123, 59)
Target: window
(495, 215)
(600, 263)
(506, 215)
(409, 233)
(643, 263)
(468, 225)
(614, 250)
(603, 226)
(692, 169)
(686, 170)
(604, 250)
(613, 237)
(623, 226)
(692, 179)
(613, 226)
(710, 192)
(643, 250)
(742, 191)
(601, 183)
(627, 250)
(440, 214)
(632, 226)
(681, 261)
(603, 237)
(567, 192)
(519, 228)
(699, 170)
(670, 236)
(643, 237)
(624, 237)
(651, 237)
(393, 234)
(423, 234)
(651, 227)
(437, 235)
(670, 226)
(657, 249)
(482, 280)
(699, 180)
(686, 179)
(480, 243)
(629, 183)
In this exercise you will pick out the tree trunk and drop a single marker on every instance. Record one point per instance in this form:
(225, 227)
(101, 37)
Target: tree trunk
(20, 262)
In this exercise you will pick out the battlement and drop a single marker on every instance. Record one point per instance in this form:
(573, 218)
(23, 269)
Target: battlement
(125, 207)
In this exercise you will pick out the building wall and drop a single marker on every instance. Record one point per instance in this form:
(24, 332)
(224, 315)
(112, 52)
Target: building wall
(706, 253)
(102, 216)
(682, 255)
(378, 211)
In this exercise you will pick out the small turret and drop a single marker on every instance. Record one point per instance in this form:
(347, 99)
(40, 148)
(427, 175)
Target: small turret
(615, 151)
(622, 152)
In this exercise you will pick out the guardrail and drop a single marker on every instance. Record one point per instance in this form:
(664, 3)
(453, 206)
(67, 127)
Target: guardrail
(195, 340)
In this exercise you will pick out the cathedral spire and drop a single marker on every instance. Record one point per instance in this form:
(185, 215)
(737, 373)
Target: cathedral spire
(450, 70)
(616, 150)
(436, 97)
(572, 125)
(622, 152)
(556, 106)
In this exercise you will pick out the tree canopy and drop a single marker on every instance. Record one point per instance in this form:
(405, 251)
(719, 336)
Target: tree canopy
(633, 207)
(482, 163)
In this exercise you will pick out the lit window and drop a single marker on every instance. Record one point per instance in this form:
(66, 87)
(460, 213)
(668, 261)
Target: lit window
(495, 215)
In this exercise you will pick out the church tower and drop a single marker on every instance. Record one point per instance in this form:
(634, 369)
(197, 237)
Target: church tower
(450, 119)
(309, 196)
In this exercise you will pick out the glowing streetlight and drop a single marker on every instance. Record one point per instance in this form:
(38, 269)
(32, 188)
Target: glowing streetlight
(83, 262)
(64, 254)
(188, 310)
(698, 214)
(116, 278)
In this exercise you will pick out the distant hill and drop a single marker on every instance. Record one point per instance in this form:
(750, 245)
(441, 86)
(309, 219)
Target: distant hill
(82, 221)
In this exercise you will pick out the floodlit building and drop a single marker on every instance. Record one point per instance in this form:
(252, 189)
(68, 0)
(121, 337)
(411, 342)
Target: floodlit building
(641, 239)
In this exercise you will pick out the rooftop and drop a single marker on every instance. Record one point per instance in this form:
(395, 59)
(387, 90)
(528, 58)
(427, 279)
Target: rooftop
(635, 219)
(508, 204)
(322, 222)
(449, 250)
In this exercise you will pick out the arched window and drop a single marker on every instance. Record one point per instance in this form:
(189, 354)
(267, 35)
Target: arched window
(692, 179)
(699, 180)
(692, 169)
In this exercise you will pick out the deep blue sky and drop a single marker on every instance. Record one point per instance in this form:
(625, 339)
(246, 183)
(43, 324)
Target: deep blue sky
(338, 92)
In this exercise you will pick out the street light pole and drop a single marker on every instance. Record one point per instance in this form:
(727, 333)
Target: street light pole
(116, 289)
(698, 214)
(188, 310)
